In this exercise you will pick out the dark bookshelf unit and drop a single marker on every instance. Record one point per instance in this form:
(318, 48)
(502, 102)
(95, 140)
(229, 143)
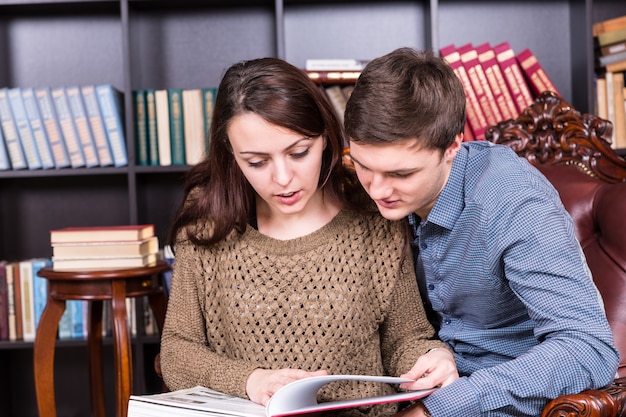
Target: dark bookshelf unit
(142, 44)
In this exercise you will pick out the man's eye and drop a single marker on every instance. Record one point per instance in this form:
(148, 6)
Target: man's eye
(400, 175)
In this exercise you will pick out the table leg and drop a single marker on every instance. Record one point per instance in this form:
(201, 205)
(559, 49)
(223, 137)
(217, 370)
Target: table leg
(45, 342)
(121, 347)
(94, 343)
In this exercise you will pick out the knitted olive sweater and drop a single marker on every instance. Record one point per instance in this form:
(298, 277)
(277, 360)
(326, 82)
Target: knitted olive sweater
(343, 299)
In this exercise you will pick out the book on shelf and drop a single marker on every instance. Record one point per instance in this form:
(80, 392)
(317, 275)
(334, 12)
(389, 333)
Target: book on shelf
(10, 132)
(209, 94)
(337, 99)
(177, 129)
(106, 249)
(151, 128)
(4, 156)
(612, 49)
(112, 107)
(142, 157)
(616, 67)
(64, 331)
(37, 126)
(475, 116)
(478, 80)
(96, 122)
(117, 233)
(17, 293)
(51, 124)
(330, 77)
(495, 78)
(619, 121)
(601, 101)
(609, 25)
(335, 64)
(24, 129)
(27, 295)
(103, 263)
(613, 58)
(193, 123)
(513, 76)
(163, 127)
(611, 37)
(4, 302)
(11, 307)
(296, 398)
(85, 134)
(536, 76)
(40, 287)
(66, 121)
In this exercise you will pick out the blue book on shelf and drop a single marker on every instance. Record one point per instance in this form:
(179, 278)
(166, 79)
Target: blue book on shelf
(40, 287)
(11, 135)
(4, 157)
(65, 324)
(112, 106)
(76, 307)
(24, 130)
(66, 120)
(97, 125)
(85, 135)
(38, 128)
(51, 124)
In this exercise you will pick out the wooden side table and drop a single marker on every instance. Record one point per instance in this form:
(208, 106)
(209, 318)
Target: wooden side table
(94, 287)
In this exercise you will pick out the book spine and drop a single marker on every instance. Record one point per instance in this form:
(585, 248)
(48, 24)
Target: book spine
(11, 135)
(96, 123)
(337, 99)
(535, 74)
(513, 75)
(619, 128)
(38, 128)
(163, 127)
(111, 105)
(5, 163)
(177, 132)
(17, 292)
(66, 121)
(76, 308)
(208, 104)
(4, 302)
(501, 94)
(11, 315)
(151, 127)
(482, 90)
(24, 130)
(40, 288)
(195, 145)
(475, 117)
(52, 127)
(611, 37)
(141, 128)
(65, 324)
(85, 135)
(28, 306)
(334, 77)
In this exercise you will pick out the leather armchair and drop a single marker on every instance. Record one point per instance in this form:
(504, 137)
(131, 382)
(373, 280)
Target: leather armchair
(573, 151)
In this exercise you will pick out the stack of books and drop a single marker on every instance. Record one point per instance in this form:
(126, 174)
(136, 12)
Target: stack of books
(610, 59)
(103, 248)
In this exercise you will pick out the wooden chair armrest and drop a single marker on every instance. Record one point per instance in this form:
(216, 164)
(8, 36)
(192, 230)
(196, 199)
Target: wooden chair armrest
(609, 401)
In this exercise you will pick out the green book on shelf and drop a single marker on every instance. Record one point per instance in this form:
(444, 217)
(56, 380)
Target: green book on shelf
(141, 128)
(151, 128)
(177, 130)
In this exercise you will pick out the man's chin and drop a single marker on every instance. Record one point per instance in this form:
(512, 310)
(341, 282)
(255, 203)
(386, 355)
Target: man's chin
(392, 214)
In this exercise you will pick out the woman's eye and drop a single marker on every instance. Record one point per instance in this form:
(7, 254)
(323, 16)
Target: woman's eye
(255, 164)
(299, 155)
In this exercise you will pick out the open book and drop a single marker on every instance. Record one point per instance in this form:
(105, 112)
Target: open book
(298, 397)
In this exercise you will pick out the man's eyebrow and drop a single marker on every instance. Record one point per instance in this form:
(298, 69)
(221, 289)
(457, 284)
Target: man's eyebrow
(397, 171)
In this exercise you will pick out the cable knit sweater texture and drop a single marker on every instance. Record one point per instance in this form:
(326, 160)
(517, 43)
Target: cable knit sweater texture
(343, 299)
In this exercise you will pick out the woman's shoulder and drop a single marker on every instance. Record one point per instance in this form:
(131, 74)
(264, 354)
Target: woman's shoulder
(372, 222)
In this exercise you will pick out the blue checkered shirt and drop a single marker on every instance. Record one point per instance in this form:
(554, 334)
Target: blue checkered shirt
(510, 288)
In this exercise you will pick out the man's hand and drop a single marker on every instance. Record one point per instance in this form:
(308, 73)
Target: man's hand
(436, 368)
(263, 383)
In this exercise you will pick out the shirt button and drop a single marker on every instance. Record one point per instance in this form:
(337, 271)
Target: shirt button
(424, 246)
(447, 321)
(431, 287)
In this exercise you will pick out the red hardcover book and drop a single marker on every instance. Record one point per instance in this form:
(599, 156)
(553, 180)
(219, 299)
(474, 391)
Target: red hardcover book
(475, 116)
(4, 303)
(536, 76)
(495, 78)
(476, 74)
(513, 75)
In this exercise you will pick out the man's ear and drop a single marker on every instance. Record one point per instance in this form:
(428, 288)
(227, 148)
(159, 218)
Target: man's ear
(453, 149)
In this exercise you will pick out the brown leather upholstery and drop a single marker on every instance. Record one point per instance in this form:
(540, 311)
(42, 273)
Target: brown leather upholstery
(573, 151)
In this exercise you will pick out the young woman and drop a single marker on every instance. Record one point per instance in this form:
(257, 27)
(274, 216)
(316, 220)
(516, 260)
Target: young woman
(279, 275)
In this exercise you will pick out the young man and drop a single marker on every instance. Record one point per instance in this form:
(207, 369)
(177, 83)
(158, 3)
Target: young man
(497, 261)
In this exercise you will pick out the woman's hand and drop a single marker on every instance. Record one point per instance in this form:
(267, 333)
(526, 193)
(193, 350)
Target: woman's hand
(263, 383)
(436, 368)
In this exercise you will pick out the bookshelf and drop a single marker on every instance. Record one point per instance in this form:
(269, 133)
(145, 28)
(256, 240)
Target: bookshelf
(140, 44)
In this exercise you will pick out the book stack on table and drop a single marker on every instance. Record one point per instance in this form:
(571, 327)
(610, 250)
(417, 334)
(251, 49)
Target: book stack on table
(104, 247)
